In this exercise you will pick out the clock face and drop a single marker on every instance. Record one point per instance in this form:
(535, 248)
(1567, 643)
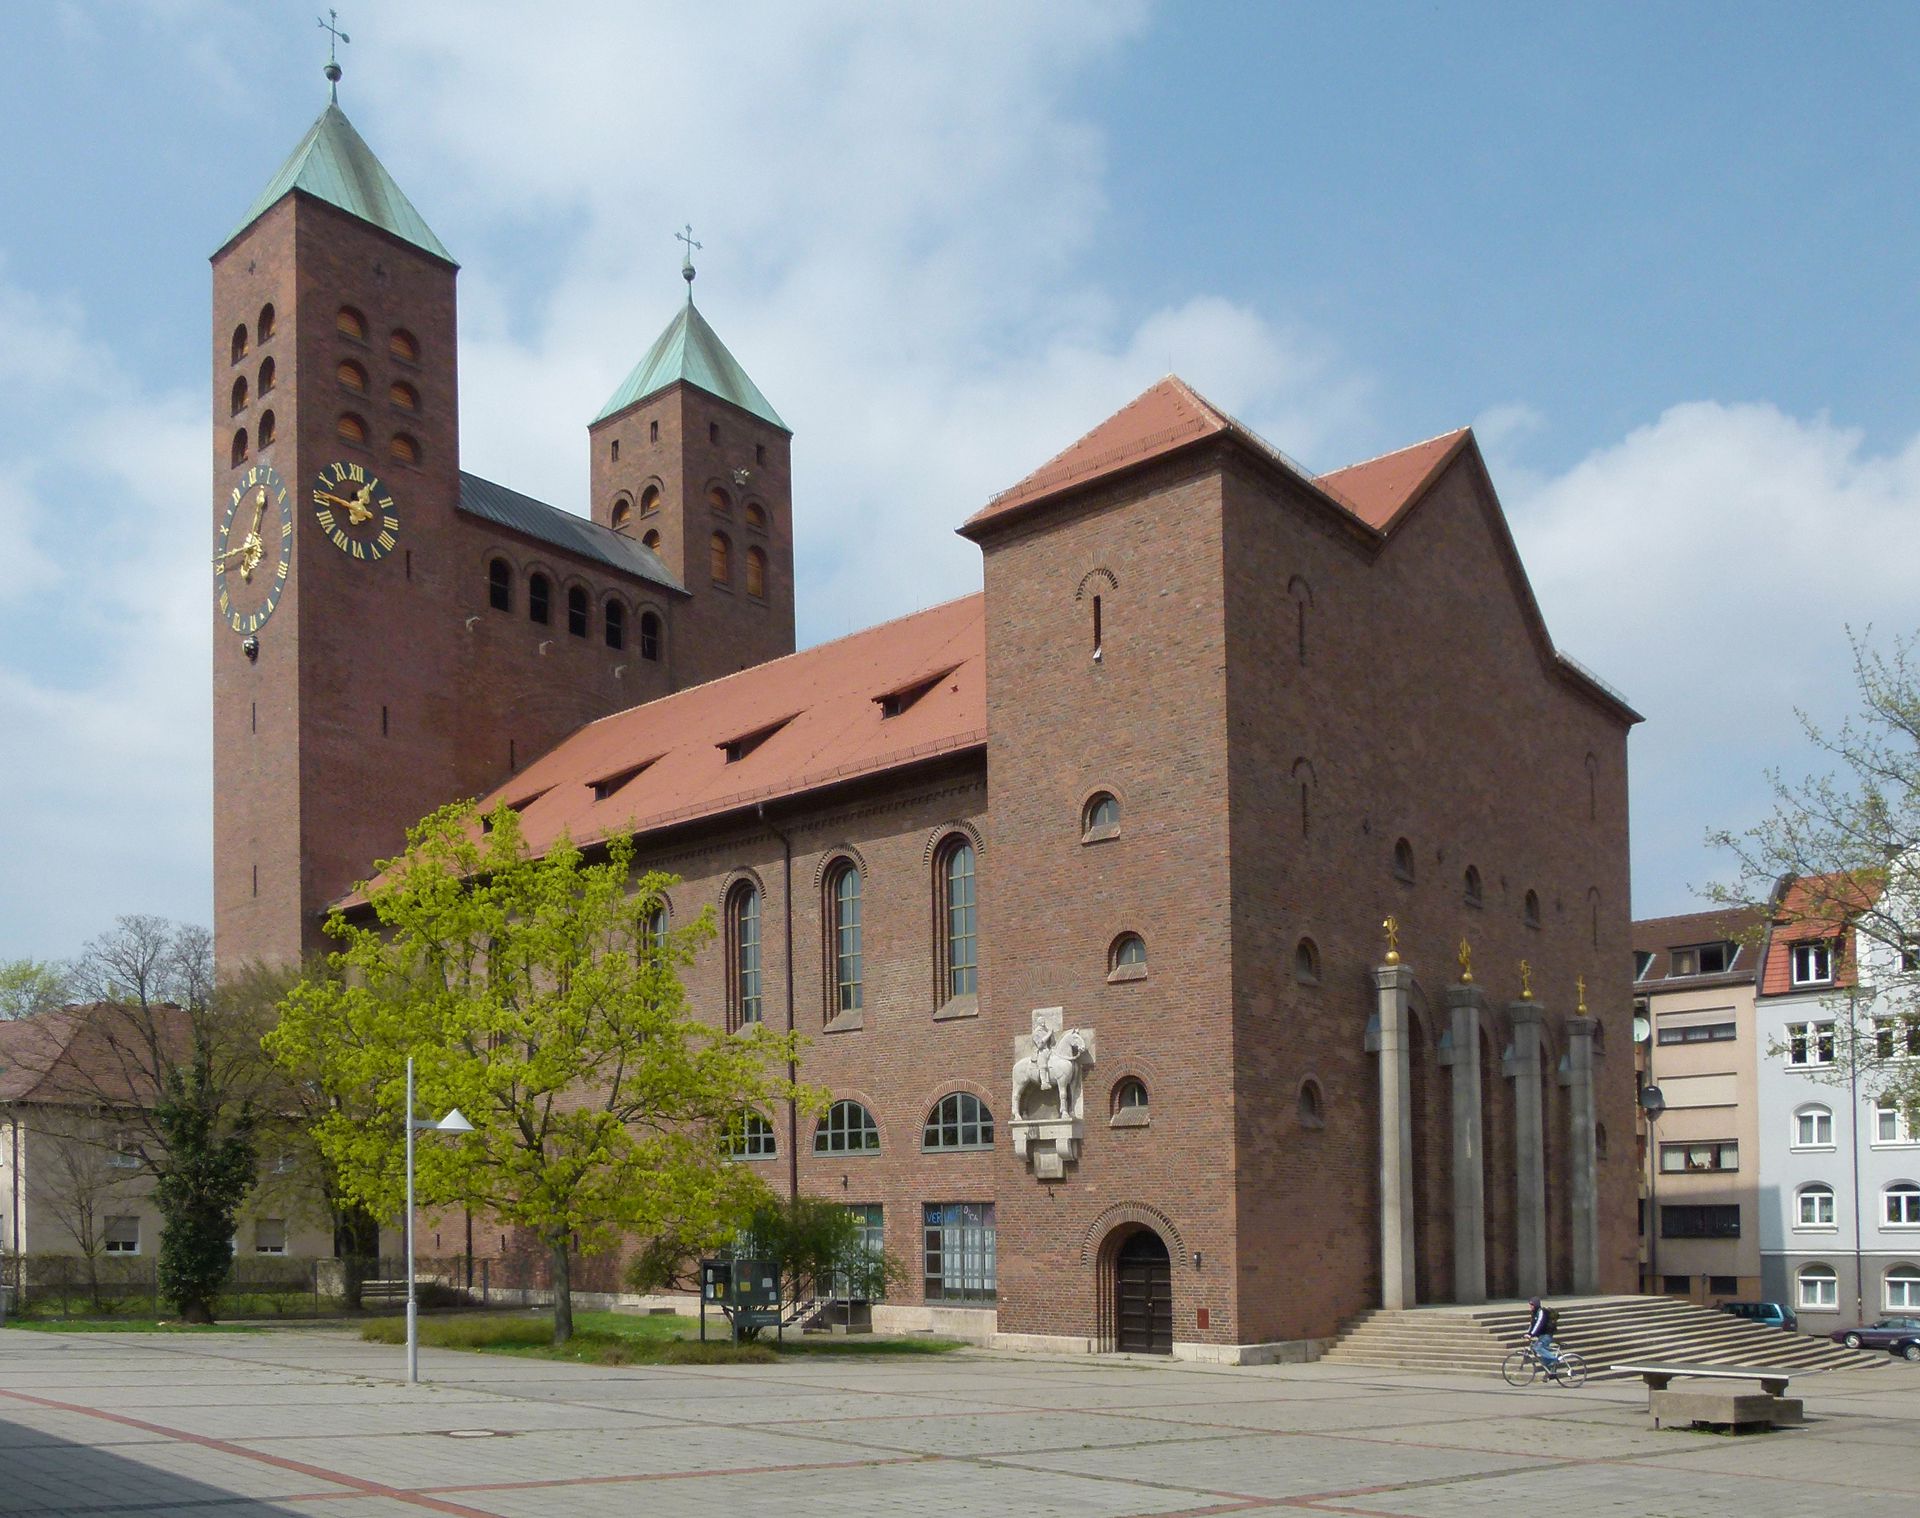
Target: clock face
(256, 549)
(355, 511)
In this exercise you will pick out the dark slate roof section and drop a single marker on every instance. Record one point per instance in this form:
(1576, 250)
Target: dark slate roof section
(1660, 936)
(562, 529)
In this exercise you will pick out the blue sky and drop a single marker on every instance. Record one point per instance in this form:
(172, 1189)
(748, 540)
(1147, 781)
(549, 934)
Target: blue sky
(1661, 256)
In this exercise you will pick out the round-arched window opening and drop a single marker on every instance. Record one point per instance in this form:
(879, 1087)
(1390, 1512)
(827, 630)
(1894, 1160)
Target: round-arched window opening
(403, 396)
(1101, 818)
(349, 323)
(1306, 962)
(576, 611)
(1403, 860)
(239, 398)
(404, 448)
(1311, 1110)
(265, 325)
(649, 636)
(649, 500)
(1127, 958)
(351, 427)
(1471, 887)
(239, 344)
(266, 428)
(1129, 1103)
(848, 1128)
(720, 559)
(500, 585)
(756, 573)
(719, 500)
(403, 346)
(958, 1121)
(616, 625)
(1599, 1141)
(351, 376)
(621, 515)
(539, 598)
(650, 540)
(266, 376)
(237, 454)
(756, 516)
(1530, 911)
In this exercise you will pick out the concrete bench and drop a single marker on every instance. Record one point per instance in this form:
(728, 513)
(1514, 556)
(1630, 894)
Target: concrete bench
(1765, 1408)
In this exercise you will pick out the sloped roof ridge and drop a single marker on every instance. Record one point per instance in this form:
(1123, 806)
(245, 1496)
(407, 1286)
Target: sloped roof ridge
(689, 350)
(1439, 437)
(559, 528)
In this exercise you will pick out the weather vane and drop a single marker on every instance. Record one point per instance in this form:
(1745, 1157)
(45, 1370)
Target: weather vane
(1526, 981)
(686, 264)
(1392, 927)
(331, 26)
(1466, 962)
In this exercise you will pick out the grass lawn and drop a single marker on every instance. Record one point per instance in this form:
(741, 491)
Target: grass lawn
(618, 1338)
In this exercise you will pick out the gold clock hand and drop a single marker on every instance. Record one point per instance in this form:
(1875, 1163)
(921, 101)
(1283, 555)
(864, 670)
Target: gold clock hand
(361, 506)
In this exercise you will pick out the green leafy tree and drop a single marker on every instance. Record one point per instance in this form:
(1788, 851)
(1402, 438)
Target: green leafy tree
(540, 996)
(29, 987)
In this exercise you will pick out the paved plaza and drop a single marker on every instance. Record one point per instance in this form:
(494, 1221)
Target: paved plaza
(316, 1424)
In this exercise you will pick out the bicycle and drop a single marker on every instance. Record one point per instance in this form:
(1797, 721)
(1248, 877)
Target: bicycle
(1520, 1367)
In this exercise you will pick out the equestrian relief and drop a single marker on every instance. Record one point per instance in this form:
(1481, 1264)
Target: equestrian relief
(1049, 1107)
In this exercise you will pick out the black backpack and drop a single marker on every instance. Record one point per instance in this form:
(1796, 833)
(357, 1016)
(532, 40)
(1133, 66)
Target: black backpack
(1553, 1321)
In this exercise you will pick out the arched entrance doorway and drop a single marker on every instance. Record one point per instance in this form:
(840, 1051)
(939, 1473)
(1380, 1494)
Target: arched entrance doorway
(1143, 1295)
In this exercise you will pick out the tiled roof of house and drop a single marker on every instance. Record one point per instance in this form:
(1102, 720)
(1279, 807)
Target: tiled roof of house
(87, 1054)
(1811, 909)
(1660, 936)
(777, 729)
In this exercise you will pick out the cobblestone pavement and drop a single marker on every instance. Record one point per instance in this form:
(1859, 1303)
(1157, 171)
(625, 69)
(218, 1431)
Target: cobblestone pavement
(316, 1424)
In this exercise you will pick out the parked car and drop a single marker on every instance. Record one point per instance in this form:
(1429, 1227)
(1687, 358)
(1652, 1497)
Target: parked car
(1901, 1335)
(1773, 1314)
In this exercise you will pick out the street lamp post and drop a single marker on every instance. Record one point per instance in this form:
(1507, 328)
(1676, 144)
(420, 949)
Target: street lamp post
(453, 1122)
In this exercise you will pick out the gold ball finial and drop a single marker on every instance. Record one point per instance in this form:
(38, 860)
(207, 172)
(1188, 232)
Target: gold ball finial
(1526, 981)
(1392, 927)
(1466, 962)
(1580, 990)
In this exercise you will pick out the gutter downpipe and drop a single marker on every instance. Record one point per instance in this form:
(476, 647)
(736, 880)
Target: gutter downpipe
(13, 1122)
(793, 1070)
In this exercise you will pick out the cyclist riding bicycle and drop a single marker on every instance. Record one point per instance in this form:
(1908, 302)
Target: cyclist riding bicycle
(1540, 1329)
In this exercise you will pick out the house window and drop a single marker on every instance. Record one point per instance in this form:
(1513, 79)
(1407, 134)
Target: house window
(351, 376)
(1402, 860)
(616, 625)
(960, 1121)
(649, 636)
(756, 573)
(401, 344)
(848, 1128)
(352, 428)
(349, 323)
(1306, 962)
(867, 1285)
(1814, 1207)
(270, 1236)
(1811, 963)
(1890, 1123)
(539, 598)
(123, 1153)
(1809, 1045)
(843, 896)
(1127, 958)
(500, 585)
(653, 432)
(959, 920)
(121, 1236)
(1699, 1033)
(1714, 1221)
(1903, 1205)
(1903, 1289)
(1642, 962)
(653, 929)
(959, 1254)
(1101, 818)
(750, 1137)
(577, 611)
(1130, 1095)
(613, 450)
(1895, 1038)
(1715, 1154)
(238, 347)
(743, 957)
(1703, 959)
(1813, 1128)
(1471, 889)
(720, 559)
(1818, 1289)
(1530, 910)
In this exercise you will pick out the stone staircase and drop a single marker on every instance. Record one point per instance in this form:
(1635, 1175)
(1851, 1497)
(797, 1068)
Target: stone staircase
(1605, 1331)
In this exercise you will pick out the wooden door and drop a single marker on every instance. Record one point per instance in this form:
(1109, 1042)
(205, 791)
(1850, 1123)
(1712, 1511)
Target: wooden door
(1143, 1296)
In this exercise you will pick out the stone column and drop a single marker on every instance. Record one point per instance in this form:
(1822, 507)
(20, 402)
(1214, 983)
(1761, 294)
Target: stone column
(1586, 1238)
(1464, 1004)
(1529, 1148)
(1396, 1138)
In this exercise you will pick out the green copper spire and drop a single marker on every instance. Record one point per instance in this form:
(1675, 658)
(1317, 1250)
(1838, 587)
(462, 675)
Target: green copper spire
(333, 163)
(690, 350)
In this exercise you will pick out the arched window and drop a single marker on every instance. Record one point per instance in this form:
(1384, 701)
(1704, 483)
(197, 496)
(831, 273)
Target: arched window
(651, 540)
(649, 500)
(239, 344)
(1127, 958)
(959, 962)
(1530, 911)
(616, 625)
(756, 573)
(1310, 1109)
(403, 395)
(848, 1128)
(265, 325)
(1130, 1095)
(719, 500)
(750, 1137)
(959, 1121)
(350, 323)
(1101, 817)
(1475, 894)
(265, 386)
(649, 635)
(1303, 781)
(539, 598)
(351, 427)
(404, 447)
(843, 913)
(351, 376)
(653, 930)
(1902, 1205)
(756, 516)
(1813, 1128)
(1818, 1288)
(743, 955)
(266, 428)
(621, 515)
(239, 398)
(401, 344)
(500, 585)
(576, 611)
(1814, 1206)
(237, 454)
(1903, 1289)
(1599, 1141)
(1306, 962)
(1402, 860)
(720, 559)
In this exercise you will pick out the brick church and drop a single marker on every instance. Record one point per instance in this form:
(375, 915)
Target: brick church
(1076, 885)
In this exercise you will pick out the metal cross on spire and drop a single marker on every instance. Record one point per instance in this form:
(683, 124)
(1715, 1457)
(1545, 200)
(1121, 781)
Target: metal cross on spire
(686, 264)
(331, 26)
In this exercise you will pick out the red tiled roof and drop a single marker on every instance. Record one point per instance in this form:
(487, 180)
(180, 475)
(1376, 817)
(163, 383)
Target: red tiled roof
(1378, 490)
(824, 705)
(1815, 907)
(87, 1054)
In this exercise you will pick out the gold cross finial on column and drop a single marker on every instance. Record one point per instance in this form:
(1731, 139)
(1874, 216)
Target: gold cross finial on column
(1392, 927)
(1526, 981)
(1580, 987)
(1466, 962)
